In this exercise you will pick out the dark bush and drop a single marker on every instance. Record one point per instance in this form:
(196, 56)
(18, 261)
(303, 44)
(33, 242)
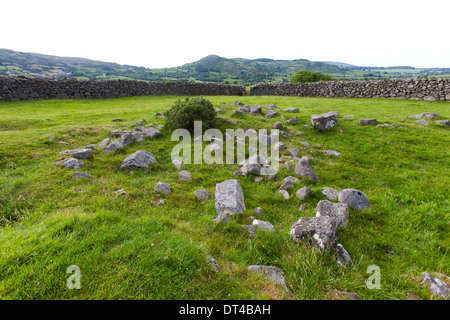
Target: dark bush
(183, 114)
(310, 76)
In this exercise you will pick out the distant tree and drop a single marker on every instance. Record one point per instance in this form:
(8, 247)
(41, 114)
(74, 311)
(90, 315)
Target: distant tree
(309, 76)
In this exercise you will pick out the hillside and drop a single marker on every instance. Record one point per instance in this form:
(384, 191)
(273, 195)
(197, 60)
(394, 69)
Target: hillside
(212, 68)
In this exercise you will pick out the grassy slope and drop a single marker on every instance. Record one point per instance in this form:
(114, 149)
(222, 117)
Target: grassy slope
(127, 248)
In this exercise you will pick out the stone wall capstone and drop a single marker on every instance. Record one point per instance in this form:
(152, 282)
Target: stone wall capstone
(25, 88)
(417, 89)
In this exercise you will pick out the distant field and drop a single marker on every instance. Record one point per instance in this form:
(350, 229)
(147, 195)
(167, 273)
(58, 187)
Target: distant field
(127, 248)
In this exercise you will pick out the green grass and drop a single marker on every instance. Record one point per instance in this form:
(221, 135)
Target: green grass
(127, 248)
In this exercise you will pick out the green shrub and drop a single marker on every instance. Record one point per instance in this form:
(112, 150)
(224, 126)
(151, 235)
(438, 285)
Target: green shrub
(183, 114)
(309, 76)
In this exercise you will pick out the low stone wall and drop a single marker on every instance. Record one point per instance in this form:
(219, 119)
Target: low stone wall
(24, 88)
(418, 89)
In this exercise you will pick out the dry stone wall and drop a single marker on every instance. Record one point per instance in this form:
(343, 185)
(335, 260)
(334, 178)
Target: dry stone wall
(24, 88)
(418, 89)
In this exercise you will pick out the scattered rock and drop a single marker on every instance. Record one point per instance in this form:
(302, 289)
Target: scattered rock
(367, 122)
(330, 193)
(214, 263)
(305, 144)
(159, 203)
(304, 169)
(238, 104)
(288, 166)
(320, 231)
(177, 164)
(116, 134)
(332, 153)
(258, 179)
(437, 287)
(272, 106)
(287, 185)
(184, 175)
(294, 152)
(229, 197)
(79, 175)
(385, 125)
(250, 230)
(219, 111)
(293, 110)
(336, 210)
(292, 120)
(284, 193)
(278, 125)
(127, 139)
(163, 187)
(139, 159)
(334, 113)
(273, 273)
(255, 110)
(280, 146)
(79, 153)
(354, 198)
(303, 193)
(443, 122)
(202, 195)
(415, 116)
(350, 116)
(324, 122)
(271, 113)
(335, 294)
(430, 115)
(117, 119)
(114, 145)
(264, 225)
(423, 122)
(71, 163)
(291, 178)
(259, 211)
(152, 133)
(223, 217)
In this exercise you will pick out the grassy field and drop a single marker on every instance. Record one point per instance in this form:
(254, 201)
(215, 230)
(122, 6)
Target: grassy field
(127, 248)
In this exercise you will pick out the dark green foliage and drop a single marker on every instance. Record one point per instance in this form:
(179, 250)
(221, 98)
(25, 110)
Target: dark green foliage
(310, 76)
(183, 114)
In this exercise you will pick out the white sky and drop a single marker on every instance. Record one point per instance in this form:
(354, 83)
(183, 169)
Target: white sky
(170, 33)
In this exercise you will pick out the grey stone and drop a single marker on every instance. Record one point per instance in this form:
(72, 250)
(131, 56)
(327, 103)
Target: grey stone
(303, 193)
(430, 115)
(320, 231)
(275, 274)
(415, 116)
(251, 230)
(343, 258)
(177, 164)
(271, 113)
(334, 113)
(272, 106)
(284, 193)
(354, 198)
(336, 210)
(288, 166)
(330, 193)
(385, 125)
(263, 225)
(223, 217)
(202, 195)
(294, 152)
(259, 211)
(238, 103)
(114, 145)
(219, 111)
(367, 122)
(163, 187)
(305, 144)
(104, 143)
(304, 169)
(184, 175)
(117, 119)
(332, 153)
(280, 146)
(79, 175)
(291, 178)
(437, 287)
(139, 136)
(255, 109)
(292, 120)
(294, 110)
(139, 159)
(443, 122)
(278, 125)
(350, 116)
(423, 122)
(214, 263)
(71, 163)
(288, 185)
(79, 153)
(324, 122)
(152, 133)
(159, 203)
(127, 139)
(229, 197)
(116, 133)
(258, 179)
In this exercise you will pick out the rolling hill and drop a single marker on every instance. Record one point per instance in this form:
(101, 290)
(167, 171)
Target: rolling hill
(212, 68)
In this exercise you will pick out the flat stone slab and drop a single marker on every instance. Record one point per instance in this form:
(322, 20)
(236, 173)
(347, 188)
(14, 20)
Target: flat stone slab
(275, 274)
(336, 210)
(79, 153)
(324, 122)
(321, 231)
(79, 175)
(368, 122)
(71, 163)
(139, 159)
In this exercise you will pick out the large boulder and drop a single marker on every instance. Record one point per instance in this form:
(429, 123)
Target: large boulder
(336, 210)
(354, 198)
(321, 231)
(229, 197)
(139, 159)
(303, 168)
(79, 153)
(324, 122)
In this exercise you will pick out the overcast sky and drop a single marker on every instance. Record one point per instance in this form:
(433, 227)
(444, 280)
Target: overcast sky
(171, 33)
